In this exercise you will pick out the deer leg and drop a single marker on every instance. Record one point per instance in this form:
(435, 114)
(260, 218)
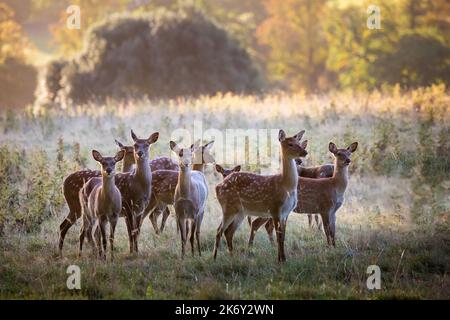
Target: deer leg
(249, 220)
(128, 221)
(102, 225)
(192, 236)
(256, 224)
(166, 214)
(112, 230)
(64, 227)
(136, 231)
(326, 227)
(276, 223)
(229, 232)
(81, 237)
(182, 227)
(269, 229)
(310, 220)
(226, 221)
(333, 228)
(198, 223)
(283, 224)
(318, 222)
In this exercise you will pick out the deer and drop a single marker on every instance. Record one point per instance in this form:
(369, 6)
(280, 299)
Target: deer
(101, 203)
(323, 171)
(226, 172)
(273, 196)
(136, 187)
(128, 160)
(190, 196)
(159, 163)
(75, 181)
(322, 196)
(165, 181)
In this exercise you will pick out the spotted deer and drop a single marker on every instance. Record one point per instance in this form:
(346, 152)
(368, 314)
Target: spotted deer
(165, 181)
(322, 196)
(190, 197)
(75, 181)
(160, 163)
(274, 196)
(226, 172)
(135, 187)
(128, 160)
(323, 171)
(101, 203)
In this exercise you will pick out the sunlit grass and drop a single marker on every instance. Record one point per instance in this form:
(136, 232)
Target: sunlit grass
(376, 224)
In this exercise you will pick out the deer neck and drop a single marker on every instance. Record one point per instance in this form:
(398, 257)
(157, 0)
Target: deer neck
(198, 167)
(108, 185)
(143, 171)
(340, 176)
(184, 182)
(289, 172)
(127, 166)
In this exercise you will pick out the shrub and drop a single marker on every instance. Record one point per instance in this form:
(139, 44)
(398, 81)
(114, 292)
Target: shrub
(156, 55)
(17, 84)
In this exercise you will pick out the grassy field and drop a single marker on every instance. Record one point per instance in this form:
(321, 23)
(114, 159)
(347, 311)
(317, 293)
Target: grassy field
(396, 212)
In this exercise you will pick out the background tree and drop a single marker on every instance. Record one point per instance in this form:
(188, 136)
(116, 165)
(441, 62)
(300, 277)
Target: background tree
(17, 79)
(294, 35)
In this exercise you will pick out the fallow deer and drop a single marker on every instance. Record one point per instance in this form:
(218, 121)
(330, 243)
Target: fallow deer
(128, 159)
(275, 196)
(226, 172)
(75, 181)
(135, 187)
(322, 196)
(165, 181)
(323, 171)
(190, 197)
(101, 202)
(159, 163)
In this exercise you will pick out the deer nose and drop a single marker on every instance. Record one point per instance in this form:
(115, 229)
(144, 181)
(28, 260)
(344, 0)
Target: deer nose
(108, 170)
(347, 161)
(140, 153)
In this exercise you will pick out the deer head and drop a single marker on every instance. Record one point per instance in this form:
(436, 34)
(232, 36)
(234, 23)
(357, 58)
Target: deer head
(141, 146)
(108, 163)
(291, 147)
(184, 155)
(342, 156)
(201, 154)
(226, 172)
(129, 152)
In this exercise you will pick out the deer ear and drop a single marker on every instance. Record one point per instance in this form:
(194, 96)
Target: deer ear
(281, 136)
(119, 144)
(153, 138)
(352, 147)
(219, 168)
(119, 155)
(174, 147)
(299, 135)
(332, 147)
(133, 136)
(237, 168)
(304, 144)
(97, 156)
(209, 145)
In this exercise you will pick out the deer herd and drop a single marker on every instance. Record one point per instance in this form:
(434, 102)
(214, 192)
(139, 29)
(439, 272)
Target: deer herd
(148, 187)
